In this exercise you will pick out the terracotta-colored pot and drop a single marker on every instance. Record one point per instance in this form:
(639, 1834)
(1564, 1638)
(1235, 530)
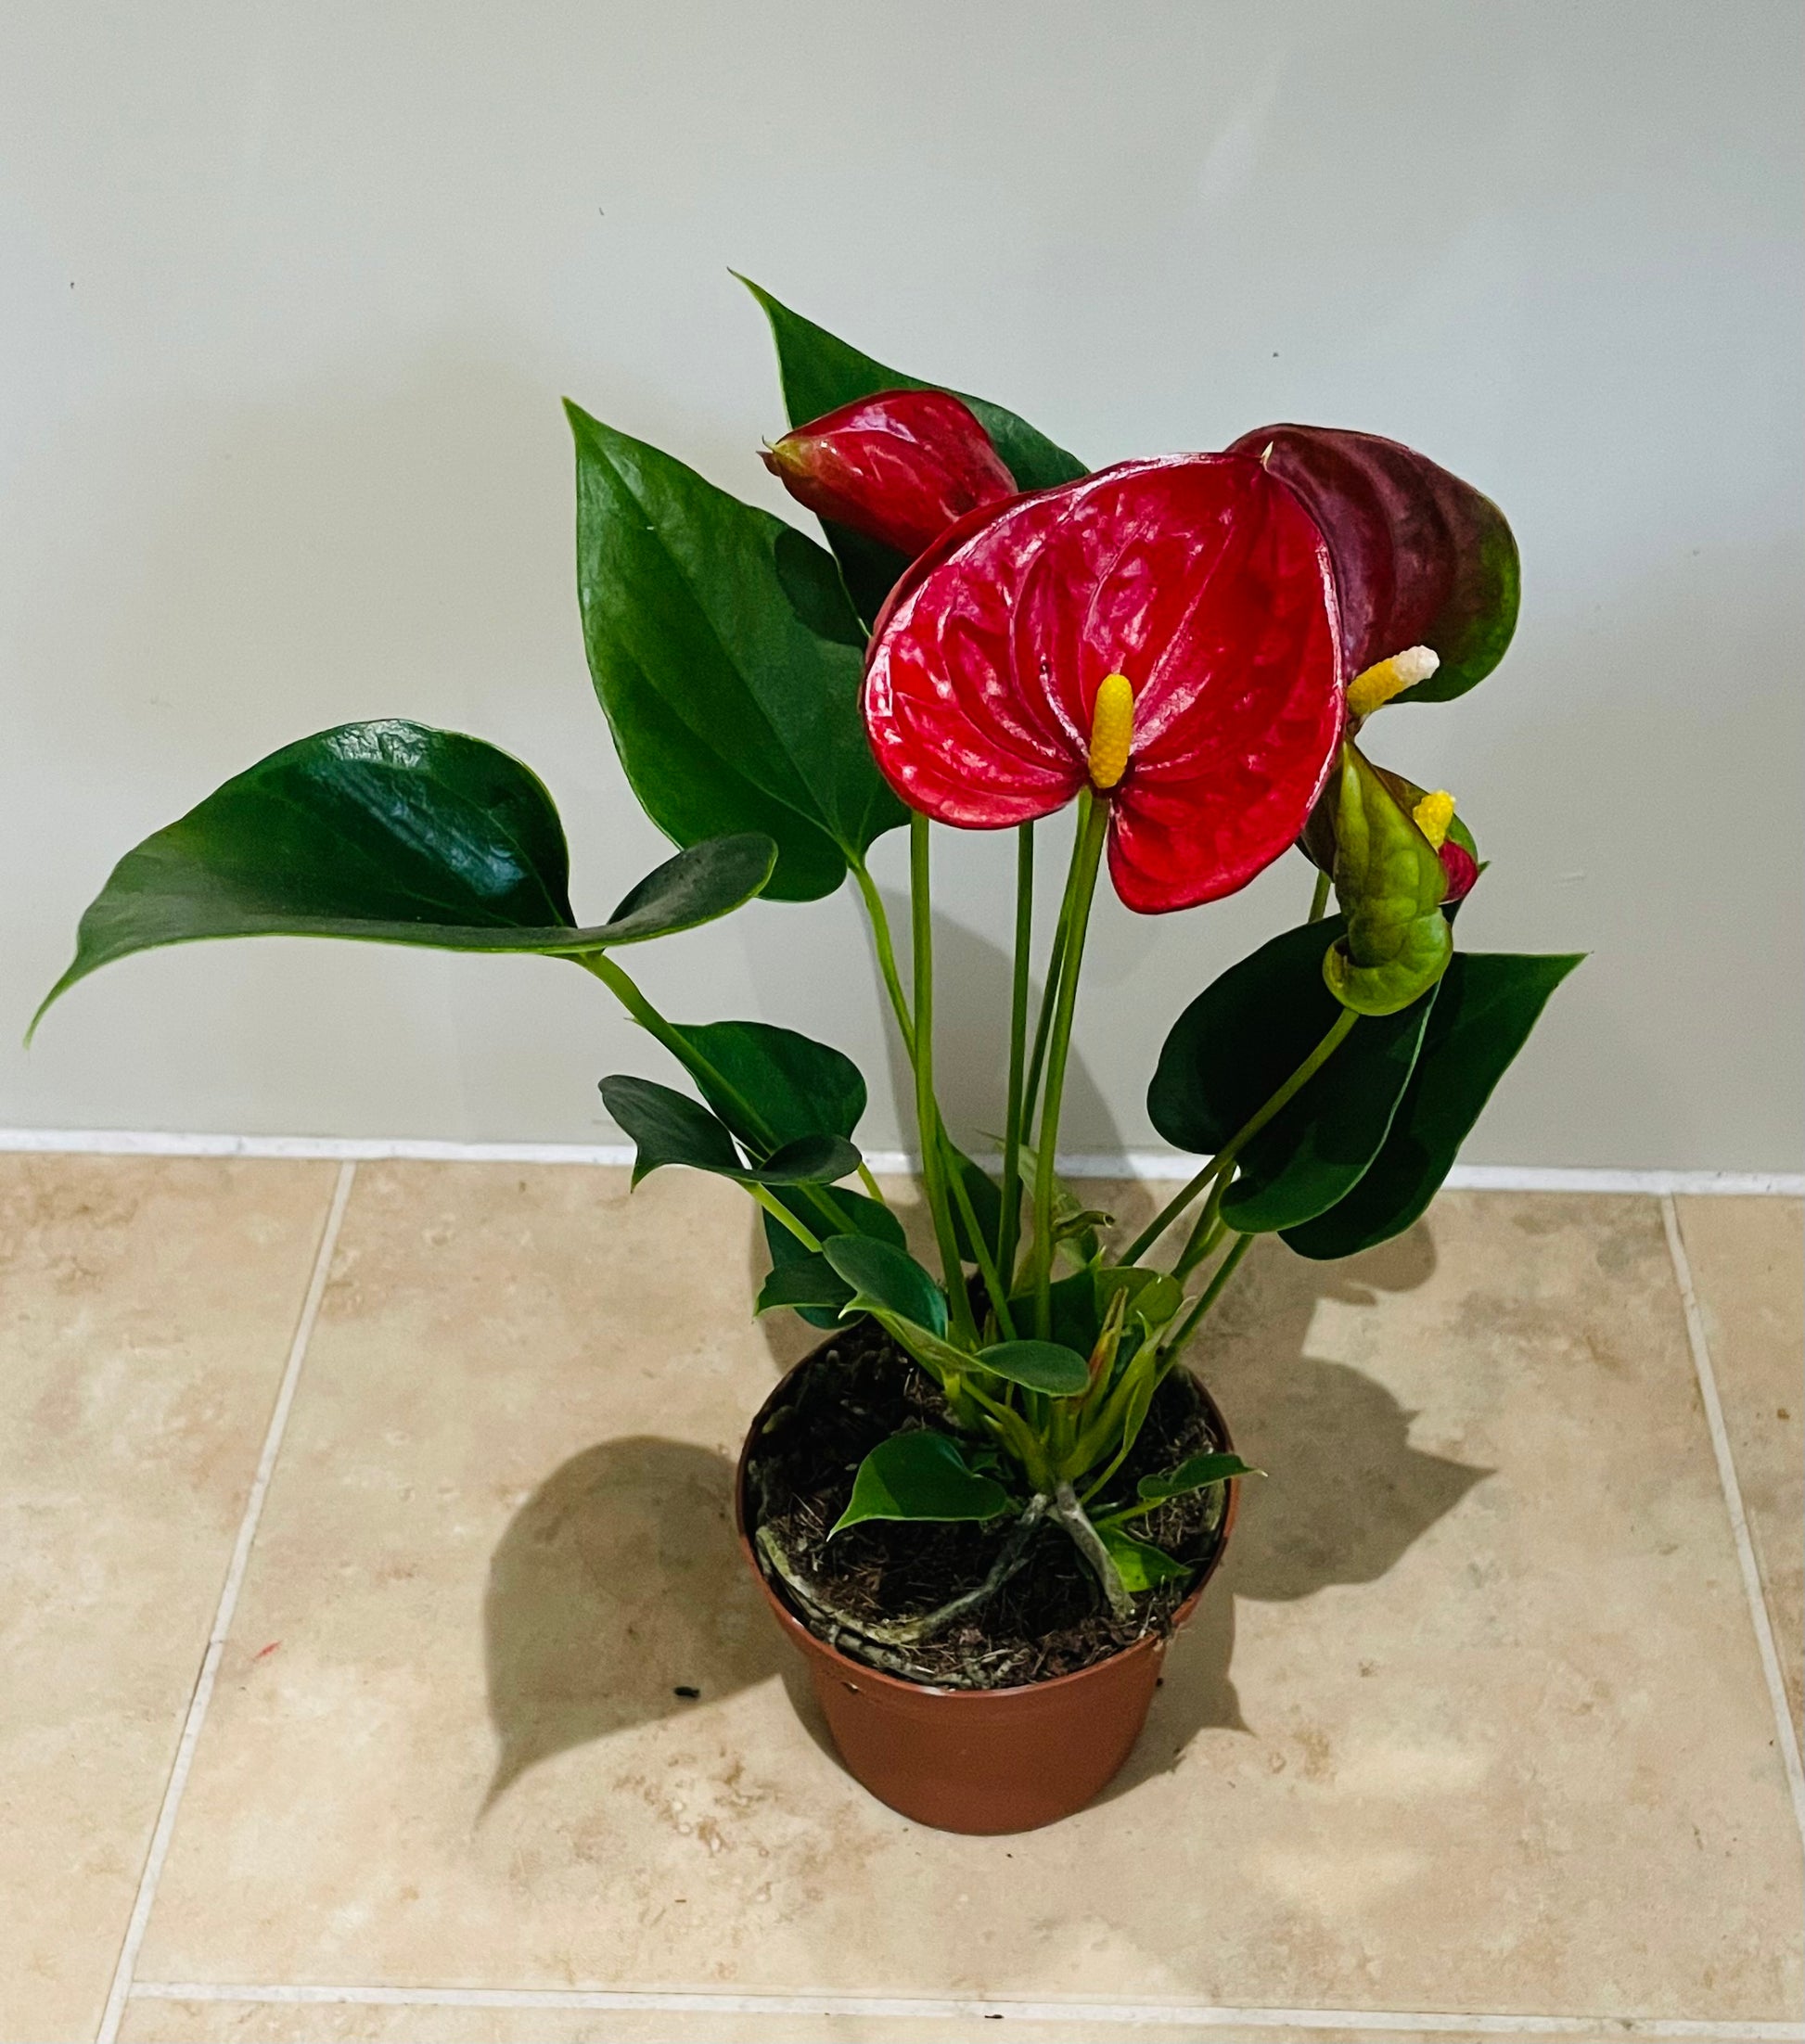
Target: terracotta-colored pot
(981, 1760)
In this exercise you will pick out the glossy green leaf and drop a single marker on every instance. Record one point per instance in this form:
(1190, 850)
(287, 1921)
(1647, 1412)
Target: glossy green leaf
(390, 833)
(920, 1474)
(670, 1128)
(810, 1281)
(1047, 1366)
(1141, 1565)
(1077, 1310)
(1485, 1006)
(1236, 1045)
(1197, 1473)
(1389, 883)
(820, 373)
(888, 1279)
(732, 707)
(858, 1215)
(771, 1085)
(1152, 1295)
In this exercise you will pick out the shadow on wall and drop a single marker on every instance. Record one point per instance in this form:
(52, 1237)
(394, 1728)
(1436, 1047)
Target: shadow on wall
(618, 1584)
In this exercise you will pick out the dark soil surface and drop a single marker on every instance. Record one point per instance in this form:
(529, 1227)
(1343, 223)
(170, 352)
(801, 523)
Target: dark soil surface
(1049, 1618)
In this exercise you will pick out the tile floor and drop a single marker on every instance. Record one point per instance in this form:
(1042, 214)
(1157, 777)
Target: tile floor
(361, 1525)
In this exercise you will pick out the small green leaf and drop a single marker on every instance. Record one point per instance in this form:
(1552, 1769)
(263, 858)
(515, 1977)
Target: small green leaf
(668, 1127)
(920, 1474)
(1485, 1006)
(1047, 1366)
(986, 1196)
(859, 1216)
(820, 373)
(1389, 885)
(1196, 1472)
(888, 1279)
(1140, 1566)
(729, 706)
(771, 1085)
(1152, 1295)
(390, 833)
(808, 1282)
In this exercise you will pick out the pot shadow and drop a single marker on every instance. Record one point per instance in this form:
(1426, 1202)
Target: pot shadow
(618, 1587)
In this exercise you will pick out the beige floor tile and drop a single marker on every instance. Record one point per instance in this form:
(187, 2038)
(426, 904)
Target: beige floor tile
(1495, 1735)
(1747, 1258)
(146, 1311)
(172, 2022)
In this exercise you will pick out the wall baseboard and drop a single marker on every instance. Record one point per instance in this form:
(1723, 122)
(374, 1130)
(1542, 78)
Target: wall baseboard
(1156, 1166)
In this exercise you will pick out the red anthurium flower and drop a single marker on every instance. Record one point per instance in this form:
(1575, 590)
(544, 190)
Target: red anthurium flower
(899, 468)
(1163, 632)
(1423, 561)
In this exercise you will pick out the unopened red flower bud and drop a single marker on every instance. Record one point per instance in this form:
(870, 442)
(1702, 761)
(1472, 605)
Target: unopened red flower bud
(899, 468)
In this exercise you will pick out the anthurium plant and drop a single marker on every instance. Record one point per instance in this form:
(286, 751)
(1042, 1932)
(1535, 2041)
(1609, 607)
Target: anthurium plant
(1186, 652)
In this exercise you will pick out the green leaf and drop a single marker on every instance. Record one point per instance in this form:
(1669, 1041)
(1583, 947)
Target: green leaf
(731, 707)
(810, 1281)
(1141, 1565)
(821, 373)
(1389, 884)
(920, 1474)
(859, 1216)
(390, 833)
(1153, 1295)
(670, 1128)
(771, 1085)
(1486, 1005)
(1197, 1473)
(1241, 1039)
(1077, 1311)
(888, 1279)
(1047, 1366)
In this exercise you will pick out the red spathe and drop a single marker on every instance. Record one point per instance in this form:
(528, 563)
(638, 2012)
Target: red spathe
(1202, 579)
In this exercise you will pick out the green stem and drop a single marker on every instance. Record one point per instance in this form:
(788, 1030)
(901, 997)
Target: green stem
(1055, 966)
(1081, 886)
(1010, 1229)
(778, 1211)
(982, 1249)
(1170, 1349)
(928, 1113)
(1170, 1213)
(878, 917)
(1203, 1237)
(1319, 901)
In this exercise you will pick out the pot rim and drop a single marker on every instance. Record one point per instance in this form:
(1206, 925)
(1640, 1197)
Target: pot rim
(1148, 1643)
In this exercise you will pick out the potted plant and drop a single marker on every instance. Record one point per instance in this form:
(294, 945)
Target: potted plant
(983, 1502)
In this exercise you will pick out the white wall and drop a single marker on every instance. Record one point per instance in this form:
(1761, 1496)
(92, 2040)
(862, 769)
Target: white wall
(292, 289)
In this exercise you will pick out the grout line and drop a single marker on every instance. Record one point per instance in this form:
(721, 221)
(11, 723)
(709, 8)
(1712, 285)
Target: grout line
(222, 1615)
(1138, 2014)
(1159, 1165)
(1726, 1470)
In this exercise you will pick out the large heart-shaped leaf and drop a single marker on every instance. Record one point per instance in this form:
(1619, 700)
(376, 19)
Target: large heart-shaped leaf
(1390, 881)
(821, 373)
(1484, 1009)
(727, 662)
(1420, 557)
(1236, 1045)
(670, 1128)
(392, 833)
(920, 1474)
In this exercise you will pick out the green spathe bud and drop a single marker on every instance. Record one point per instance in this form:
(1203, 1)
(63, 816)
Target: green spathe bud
(1389, 882)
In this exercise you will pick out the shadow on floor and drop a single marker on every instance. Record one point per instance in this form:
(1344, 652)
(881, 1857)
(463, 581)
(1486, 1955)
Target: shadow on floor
(618, 1584)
